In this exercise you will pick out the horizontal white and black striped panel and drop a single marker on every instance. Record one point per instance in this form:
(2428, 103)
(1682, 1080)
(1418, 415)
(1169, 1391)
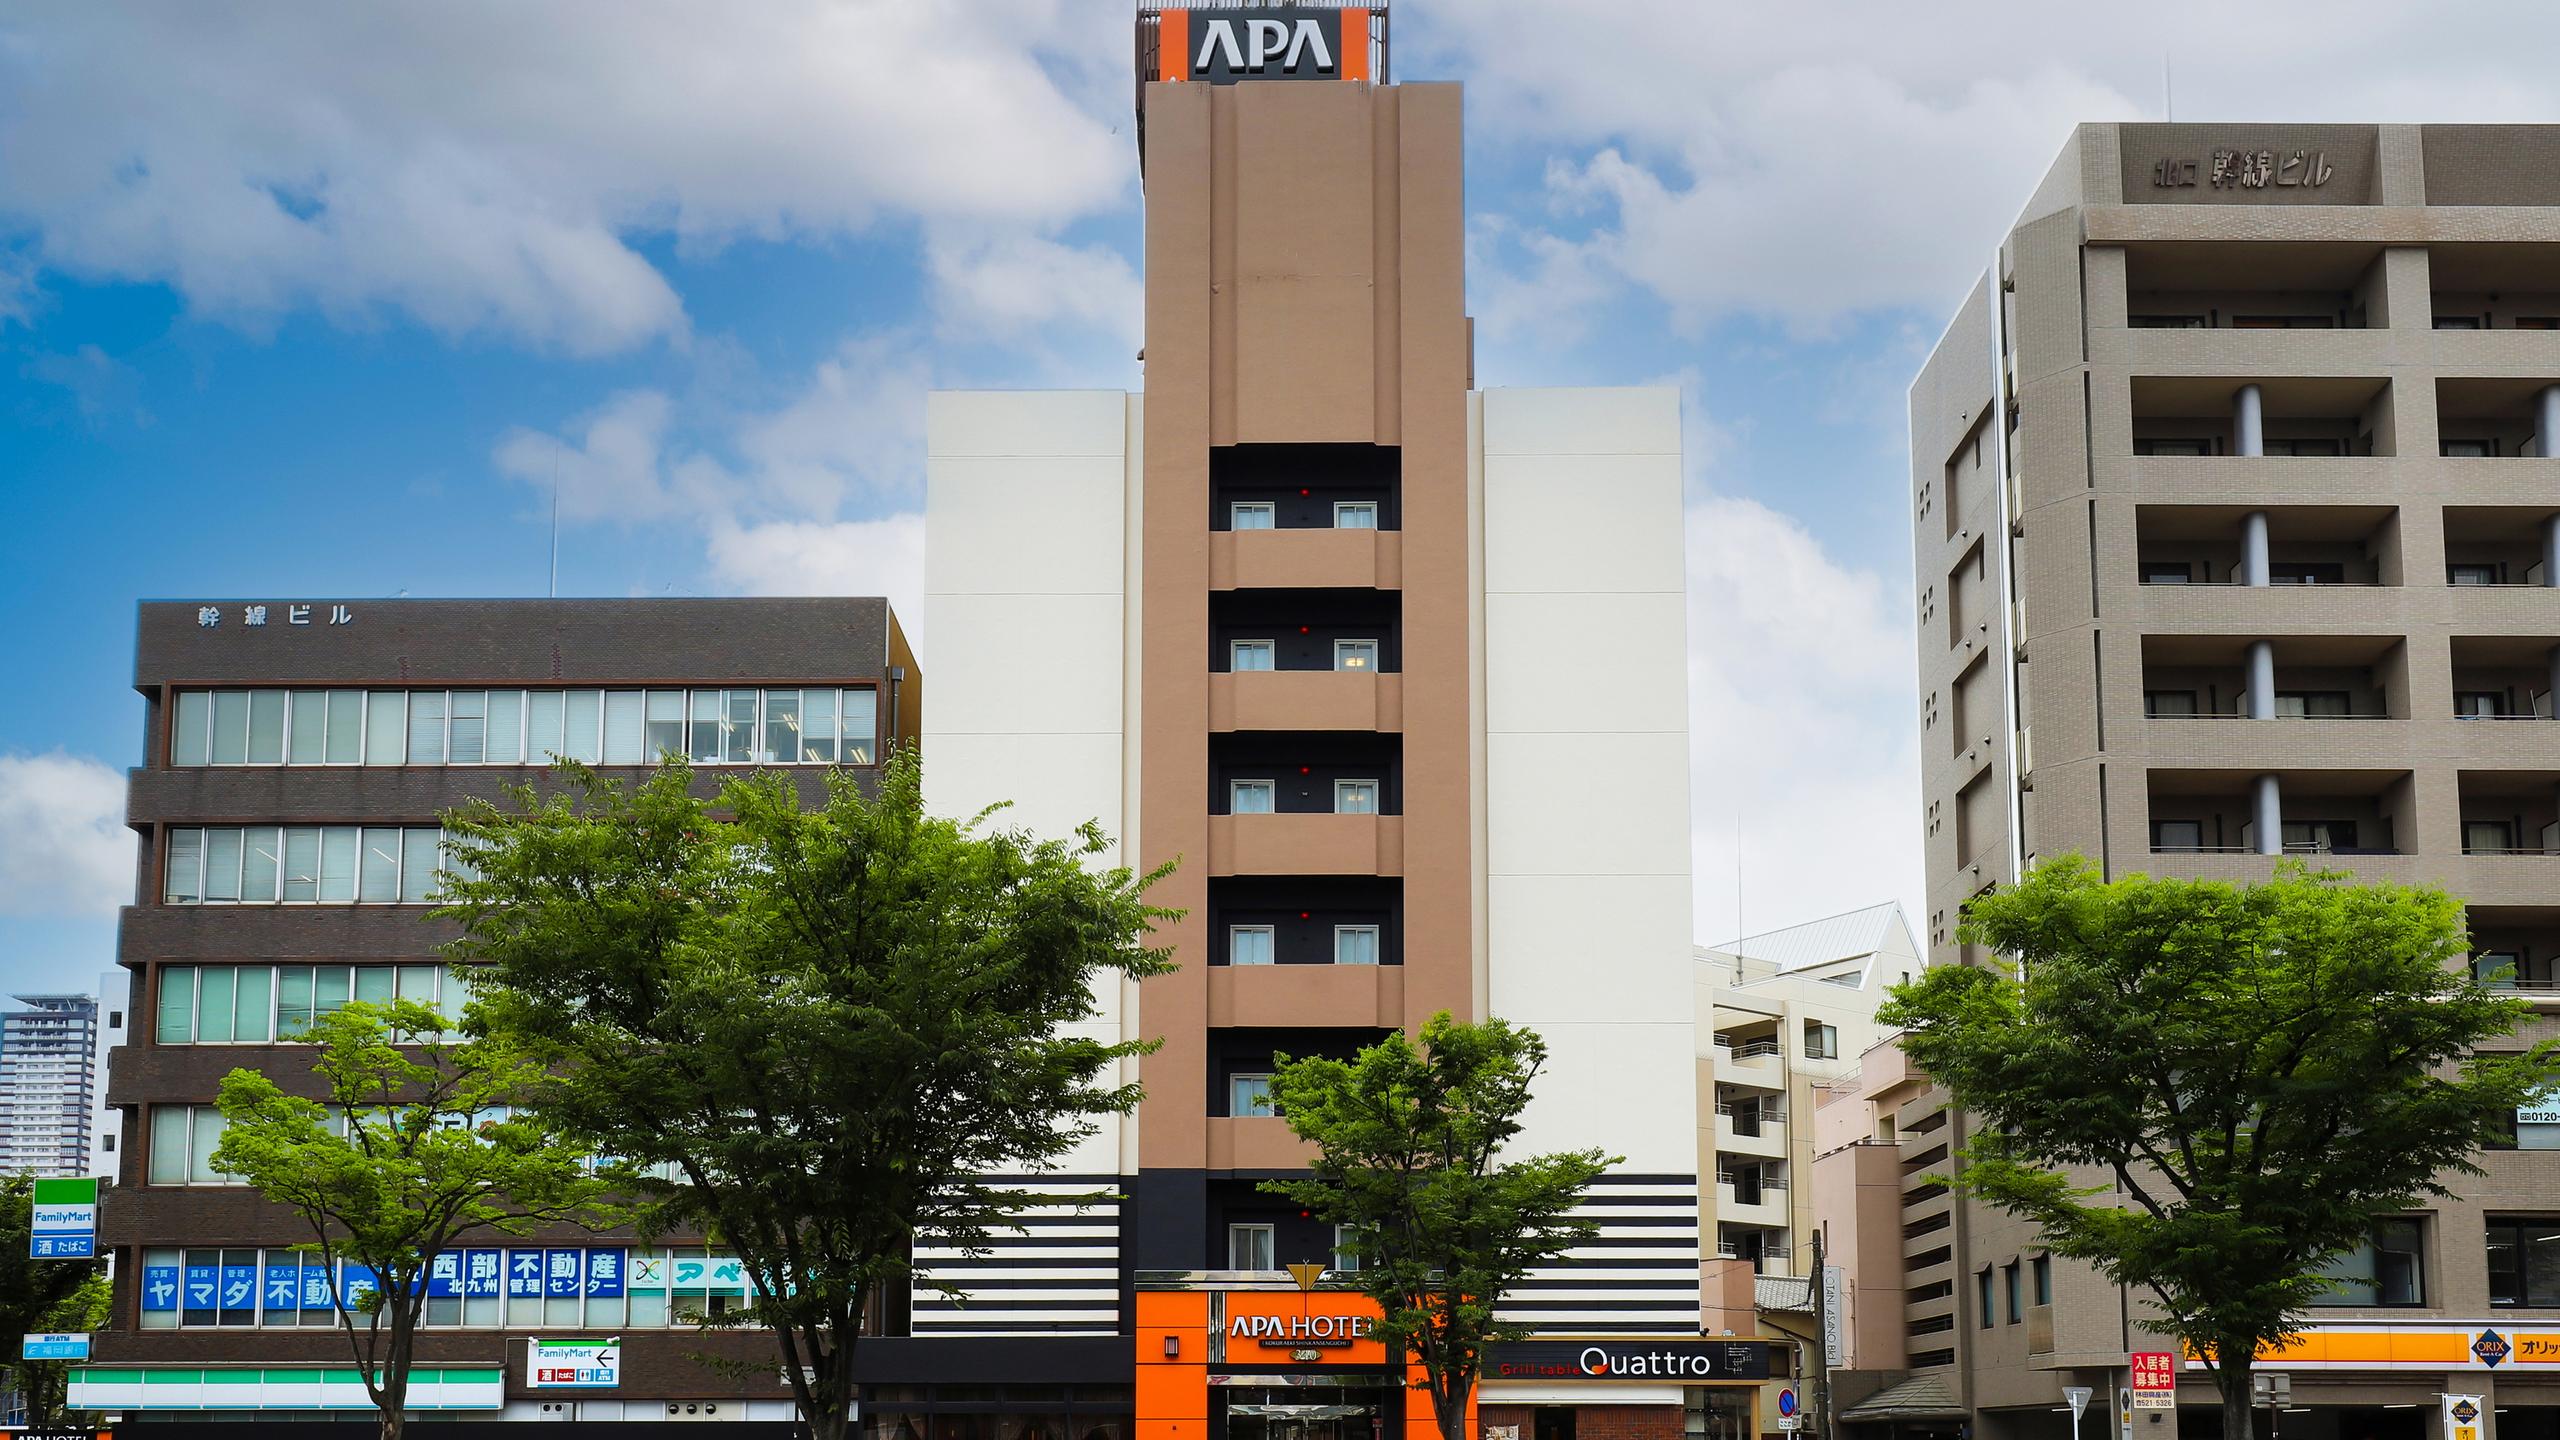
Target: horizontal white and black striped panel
(1058, 1275)
(1637, 1276)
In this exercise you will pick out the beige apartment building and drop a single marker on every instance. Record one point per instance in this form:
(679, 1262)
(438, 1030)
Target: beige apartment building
(2236, 502)
(1782, 1017)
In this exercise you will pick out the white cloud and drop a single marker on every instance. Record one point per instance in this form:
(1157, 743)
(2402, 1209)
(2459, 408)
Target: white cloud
(64, 848)
(1802, 696)
(483, 167)
(1760, 160)
(995, 288)
(609, 471)
(844, 557)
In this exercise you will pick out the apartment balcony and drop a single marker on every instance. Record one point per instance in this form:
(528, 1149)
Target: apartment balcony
(2307, 545)
(2516, 948)
(2319, 812)
(2326, 417)
(1763, 1205)
(2495, 303)
(2497, 546)
(1317, 844)
(1756, 1063)
(2486, 418)
(2513, 815)
(1766, 1135)
(2192, 684)
(2504, 678)
(2251, 288)
(1310, 559)
(1306, 700)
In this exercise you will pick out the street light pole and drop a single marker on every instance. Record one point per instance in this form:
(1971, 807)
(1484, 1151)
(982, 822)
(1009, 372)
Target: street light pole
(1822, 1343)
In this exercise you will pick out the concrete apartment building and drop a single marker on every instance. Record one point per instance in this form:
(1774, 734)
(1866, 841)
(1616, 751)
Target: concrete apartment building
(1314, 619)
(2236, 490)
(48, 1084)
(1781, 1017)
(296, 758)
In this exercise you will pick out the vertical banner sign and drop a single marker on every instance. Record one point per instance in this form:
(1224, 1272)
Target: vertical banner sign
(2462, 1417)
(2155, 1380)
(65, 1220)
(2124, 1414)
(1835, 1316)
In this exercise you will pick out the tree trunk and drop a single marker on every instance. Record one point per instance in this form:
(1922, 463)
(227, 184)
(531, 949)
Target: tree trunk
(2233, 1381)
(395, 1415)
(1451, 1414)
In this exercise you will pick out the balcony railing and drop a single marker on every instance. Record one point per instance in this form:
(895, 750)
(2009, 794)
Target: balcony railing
(1747, 1049)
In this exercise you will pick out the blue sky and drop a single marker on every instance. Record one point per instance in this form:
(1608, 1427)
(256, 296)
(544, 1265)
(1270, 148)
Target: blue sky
(300, 302)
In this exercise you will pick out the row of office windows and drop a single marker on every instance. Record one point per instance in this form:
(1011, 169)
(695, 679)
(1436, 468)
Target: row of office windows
(801, 726)
(304, 864)
(1260, 944)
(262, 1004)
(2389, 1270)
(555, 1287)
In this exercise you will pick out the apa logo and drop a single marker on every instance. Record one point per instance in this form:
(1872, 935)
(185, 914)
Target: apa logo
(1225, 46)
(1264, 41)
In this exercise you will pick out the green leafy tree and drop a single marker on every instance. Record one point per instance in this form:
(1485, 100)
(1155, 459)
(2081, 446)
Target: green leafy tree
(2210, 1091)
(42, 1296)
(1409, 1155)
(415, 1150)
(819, 1030)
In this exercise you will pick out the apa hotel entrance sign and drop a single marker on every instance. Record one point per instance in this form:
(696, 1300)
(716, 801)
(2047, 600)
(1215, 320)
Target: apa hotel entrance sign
(1224, 45)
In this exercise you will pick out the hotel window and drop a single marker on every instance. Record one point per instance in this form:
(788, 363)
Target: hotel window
(1251, 797)
(2524, 1261)
(1355, 514)
(2312, 704)
(819, 725)
(2467, 449)
(2040, 1278)
(182, 1141)
(1355, 944)
(1982, 1296)
(1249, 1094)
(2497, 970)
(2169, 704)
(1252, 655)
(2171, 445)
(2469, 575)
(1253, 515)
(2318, 573)
(2305, 449)
(2479, 704)
(2177, 837)
(1346, 1250)
(2389, 1269)
(2458, 322)
(2167, 572)
(1250, 945)
(2009, 1291)
(1355, 654)
(1249, 1248)
(1355, 797)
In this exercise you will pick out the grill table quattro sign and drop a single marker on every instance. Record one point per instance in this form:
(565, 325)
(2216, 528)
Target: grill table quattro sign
(573, 1364)
(64, 1222)
(1632, 1359)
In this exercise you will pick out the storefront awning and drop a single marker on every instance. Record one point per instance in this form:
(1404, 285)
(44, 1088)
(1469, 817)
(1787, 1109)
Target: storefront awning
(1922, 1397)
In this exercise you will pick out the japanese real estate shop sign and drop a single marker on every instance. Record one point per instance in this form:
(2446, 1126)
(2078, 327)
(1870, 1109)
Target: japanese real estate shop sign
(64, 1225)
(573, 1364)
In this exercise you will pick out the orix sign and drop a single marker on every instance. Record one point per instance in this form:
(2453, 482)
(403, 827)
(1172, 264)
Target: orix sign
(1228, 46)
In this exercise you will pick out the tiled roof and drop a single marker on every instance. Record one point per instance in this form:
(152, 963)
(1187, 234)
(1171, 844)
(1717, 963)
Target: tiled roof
(1920, 1397)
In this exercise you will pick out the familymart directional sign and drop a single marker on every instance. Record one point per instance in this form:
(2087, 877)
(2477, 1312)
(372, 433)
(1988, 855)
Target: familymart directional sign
(65, 1221)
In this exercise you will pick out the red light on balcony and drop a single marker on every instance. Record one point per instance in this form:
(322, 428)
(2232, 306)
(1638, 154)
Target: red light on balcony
(1305, 914)
(1302, 490)
(1304, 770)
(1302, 629)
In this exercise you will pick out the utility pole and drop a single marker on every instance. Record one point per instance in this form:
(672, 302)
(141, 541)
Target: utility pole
(1821, 1342)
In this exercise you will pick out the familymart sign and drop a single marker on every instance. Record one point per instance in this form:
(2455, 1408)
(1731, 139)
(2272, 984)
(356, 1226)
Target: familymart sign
(65, 1220)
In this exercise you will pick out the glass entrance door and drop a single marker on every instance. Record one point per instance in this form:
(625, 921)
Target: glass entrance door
(1305, 1413)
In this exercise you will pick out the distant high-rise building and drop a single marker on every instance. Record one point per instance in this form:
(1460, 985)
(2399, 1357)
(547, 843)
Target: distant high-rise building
(48, 1084)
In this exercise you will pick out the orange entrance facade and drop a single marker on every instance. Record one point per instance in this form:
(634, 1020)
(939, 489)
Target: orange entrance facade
(1236, 1359)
